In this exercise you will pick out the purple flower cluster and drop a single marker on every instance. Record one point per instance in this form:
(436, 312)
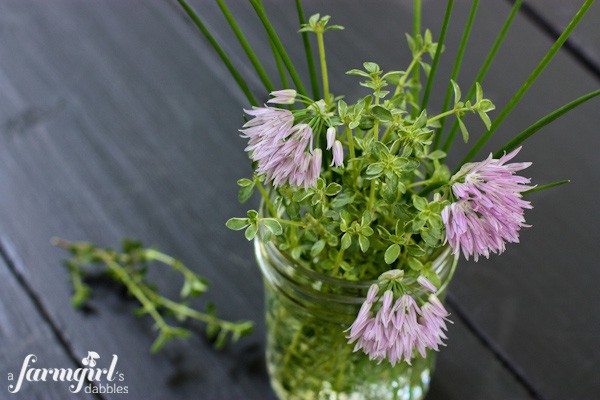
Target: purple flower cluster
(397, 330)
(490, 209)
(282, 150)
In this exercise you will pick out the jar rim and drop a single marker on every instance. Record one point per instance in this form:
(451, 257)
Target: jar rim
(282, 257)
(314, 274)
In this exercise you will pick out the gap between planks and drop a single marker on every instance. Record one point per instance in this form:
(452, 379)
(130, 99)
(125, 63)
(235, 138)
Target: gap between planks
(6, 254)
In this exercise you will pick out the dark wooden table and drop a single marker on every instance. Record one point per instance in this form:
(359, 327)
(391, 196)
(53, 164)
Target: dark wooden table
(117, 119)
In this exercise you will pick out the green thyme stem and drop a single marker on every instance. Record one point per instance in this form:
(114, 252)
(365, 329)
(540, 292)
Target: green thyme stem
(419, 183)
(324, 76)
(312, 71)
(289, 222)
(348, 133)
(527, 84)
(76, 277)
(456, 68)
(153, 254)
(260, 12)
(450, 112)
(372, 196)
(483, 70)
(292, 347)
(246, 46)
(521, 137)
(182, 310)
(232, 70)
(438, 52)
(133, 288)
(338, 262)
(548, 186)
(416, 31)
(412, 64)
(376, 130)
(265, 196)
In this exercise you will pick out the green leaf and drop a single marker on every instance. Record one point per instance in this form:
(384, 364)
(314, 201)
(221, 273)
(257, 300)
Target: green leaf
(382, 114)
(342, 199)
(486, 120)
(333, 189)
(358, 72)
(252, 214)
(366, 218)
(479, 92)
(430, 237)
(486, 105)
(436, 155)
(463, 129)
(364, 242)
(245, 182)
(392, 253)
(422, 120)
(342, 108)
(415, 264)
(426, 67)
(411, 43)
(346, 241)
(375, 169)
(251, 232)
(420, 203)
(273, 225)
(457, 94)
(366, 123)
(367, 230)
(245, 193)
(237, 224)
(317, 248)
(371, 67)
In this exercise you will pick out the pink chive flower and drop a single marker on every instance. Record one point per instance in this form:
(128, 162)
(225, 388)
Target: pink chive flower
(397, 330)
(282, 150)
(433, 324)
(338, 154)
(489, 210)
(331, 132)
(285, 96)
(426, 284)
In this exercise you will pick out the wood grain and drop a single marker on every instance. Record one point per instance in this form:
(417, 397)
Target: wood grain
(118, 120)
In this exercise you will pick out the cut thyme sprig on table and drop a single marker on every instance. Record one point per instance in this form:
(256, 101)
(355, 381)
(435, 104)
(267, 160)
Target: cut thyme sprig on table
(128, 268)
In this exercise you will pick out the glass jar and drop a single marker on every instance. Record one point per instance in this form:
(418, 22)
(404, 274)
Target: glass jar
(307, 353)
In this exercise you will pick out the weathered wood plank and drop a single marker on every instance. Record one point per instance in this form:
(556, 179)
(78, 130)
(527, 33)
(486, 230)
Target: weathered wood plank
(585, 38)
(118, 120)
(24, 331)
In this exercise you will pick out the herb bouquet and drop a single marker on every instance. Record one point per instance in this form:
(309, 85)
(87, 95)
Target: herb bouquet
(362, 222)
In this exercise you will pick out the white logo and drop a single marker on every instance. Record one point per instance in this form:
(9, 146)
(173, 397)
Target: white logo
(99, 380)
(91, 358)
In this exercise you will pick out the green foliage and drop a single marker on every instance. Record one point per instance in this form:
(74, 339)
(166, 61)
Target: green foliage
(129, 268)
(318, 24)
(383, 209)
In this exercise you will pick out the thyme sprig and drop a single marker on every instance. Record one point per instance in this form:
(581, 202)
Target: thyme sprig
(129, 268)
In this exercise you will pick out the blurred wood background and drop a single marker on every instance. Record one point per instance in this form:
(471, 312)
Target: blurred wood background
(117, 119)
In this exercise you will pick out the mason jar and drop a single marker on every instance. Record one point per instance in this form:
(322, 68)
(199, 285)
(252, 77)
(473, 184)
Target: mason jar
(307, 352)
